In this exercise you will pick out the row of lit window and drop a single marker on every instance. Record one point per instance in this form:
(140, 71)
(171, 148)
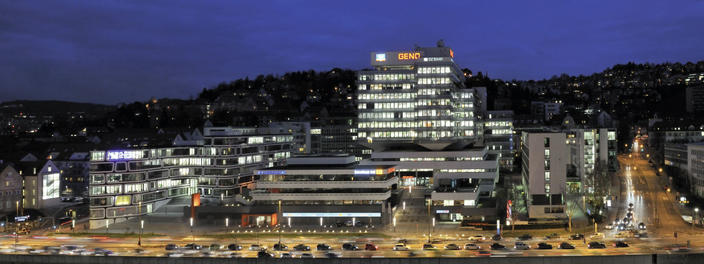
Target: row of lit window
(433, 70)
(387, 96)
(498, 124)
(388, 77)
(386, 86)
(436, 91)
(434, 80)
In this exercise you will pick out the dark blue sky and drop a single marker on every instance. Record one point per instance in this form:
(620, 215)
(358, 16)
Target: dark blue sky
(121, 51)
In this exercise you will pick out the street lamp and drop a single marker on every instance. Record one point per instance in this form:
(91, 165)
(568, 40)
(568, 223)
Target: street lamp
(191, 221)
(394, 224)
(141, 230)
(227, 222)
(17, 208)
(696, 212)
(404, 205)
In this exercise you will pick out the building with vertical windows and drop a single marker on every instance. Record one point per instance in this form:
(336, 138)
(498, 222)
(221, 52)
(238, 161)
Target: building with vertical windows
(326, 189)
(498, 137)
(42, 182)
(591, 149)
(695, 168)
(415, 97)
(544, 162)
(416, 114)
(10, 189)
(131, 182)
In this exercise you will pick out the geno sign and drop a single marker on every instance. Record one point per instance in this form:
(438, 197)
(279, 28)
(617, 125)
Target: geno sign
(409, 56)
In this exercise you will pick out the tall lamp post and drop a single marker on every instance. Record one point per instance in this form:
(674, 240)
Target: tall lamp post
(695, 216)
(192, 237)
(141, 230)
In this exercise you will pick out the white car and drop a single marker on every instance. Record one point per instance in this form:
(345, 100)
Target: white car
(400, 247)
(255, 247)
(597, 236)
(471, 246)
(521, 246)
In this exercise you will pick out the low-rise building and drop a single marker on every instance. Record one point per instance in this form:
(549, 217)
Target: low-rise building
(326, 189)
(10, 189)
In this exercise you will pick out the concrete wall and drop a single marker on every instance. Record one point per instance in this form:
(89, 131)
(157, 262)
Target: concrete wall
(624, 259)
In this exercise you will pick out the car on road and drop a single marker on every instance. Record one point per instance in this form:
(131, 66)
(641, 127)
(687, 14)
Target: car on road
(470, 246)
(301, 247)
(544, 245)
(483, 253)
(565, 245)
(496, 237)
(280, 247)
(525, 237)
(620, 244)
(477, 238)
(452, 247)
(286, 255)
(552, 236)
(307, 255)
(370, 246)
(594, 245)
(497, 246)
(171, 247)
(174, 254)
(428, 246)
(349, 246)
(609, 227)
(630, 205)
(323, 247)
(597, 236)
(400, 247)
(234, 247)
(521, 246)
(403, 241)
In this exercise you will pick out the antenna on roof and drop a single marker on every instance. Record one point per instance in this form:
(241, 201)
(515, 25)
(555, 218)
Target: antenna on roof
(441, 43)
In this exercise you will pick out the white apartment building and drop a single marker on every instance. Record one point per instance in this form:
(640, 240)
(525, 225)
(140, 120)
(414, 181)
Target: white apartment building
(545, 158)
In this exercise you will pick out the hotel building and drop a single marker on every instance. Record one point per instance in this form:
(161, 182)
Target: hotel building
(128, 183)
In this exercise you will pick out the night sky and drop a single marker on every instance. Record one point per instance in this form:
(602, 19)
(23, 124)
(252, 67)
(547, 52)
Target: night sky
(122, 51)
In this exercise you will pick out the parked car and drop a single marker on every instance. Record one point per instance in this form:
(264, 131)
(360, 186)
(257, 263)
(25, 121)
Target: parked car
(525, 237)
(286, 255)
(620, 244)
(349, 246)
(370, 246)
(544, 245)
(577, 237)
(477, 238)
(215, 247)
(452, 247)
(597, 236)
(171, 247)
(565, 245)
(280, 247)
(301, 247)
(521, 246)
(552, 236)
(400, 247)
(255, 247)
(323, 247)
(496, 237)
(234, 247)
(497, 246)
(427, 246)
(403, 241)
(595, 244)
(193, 246)
(471, 246)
